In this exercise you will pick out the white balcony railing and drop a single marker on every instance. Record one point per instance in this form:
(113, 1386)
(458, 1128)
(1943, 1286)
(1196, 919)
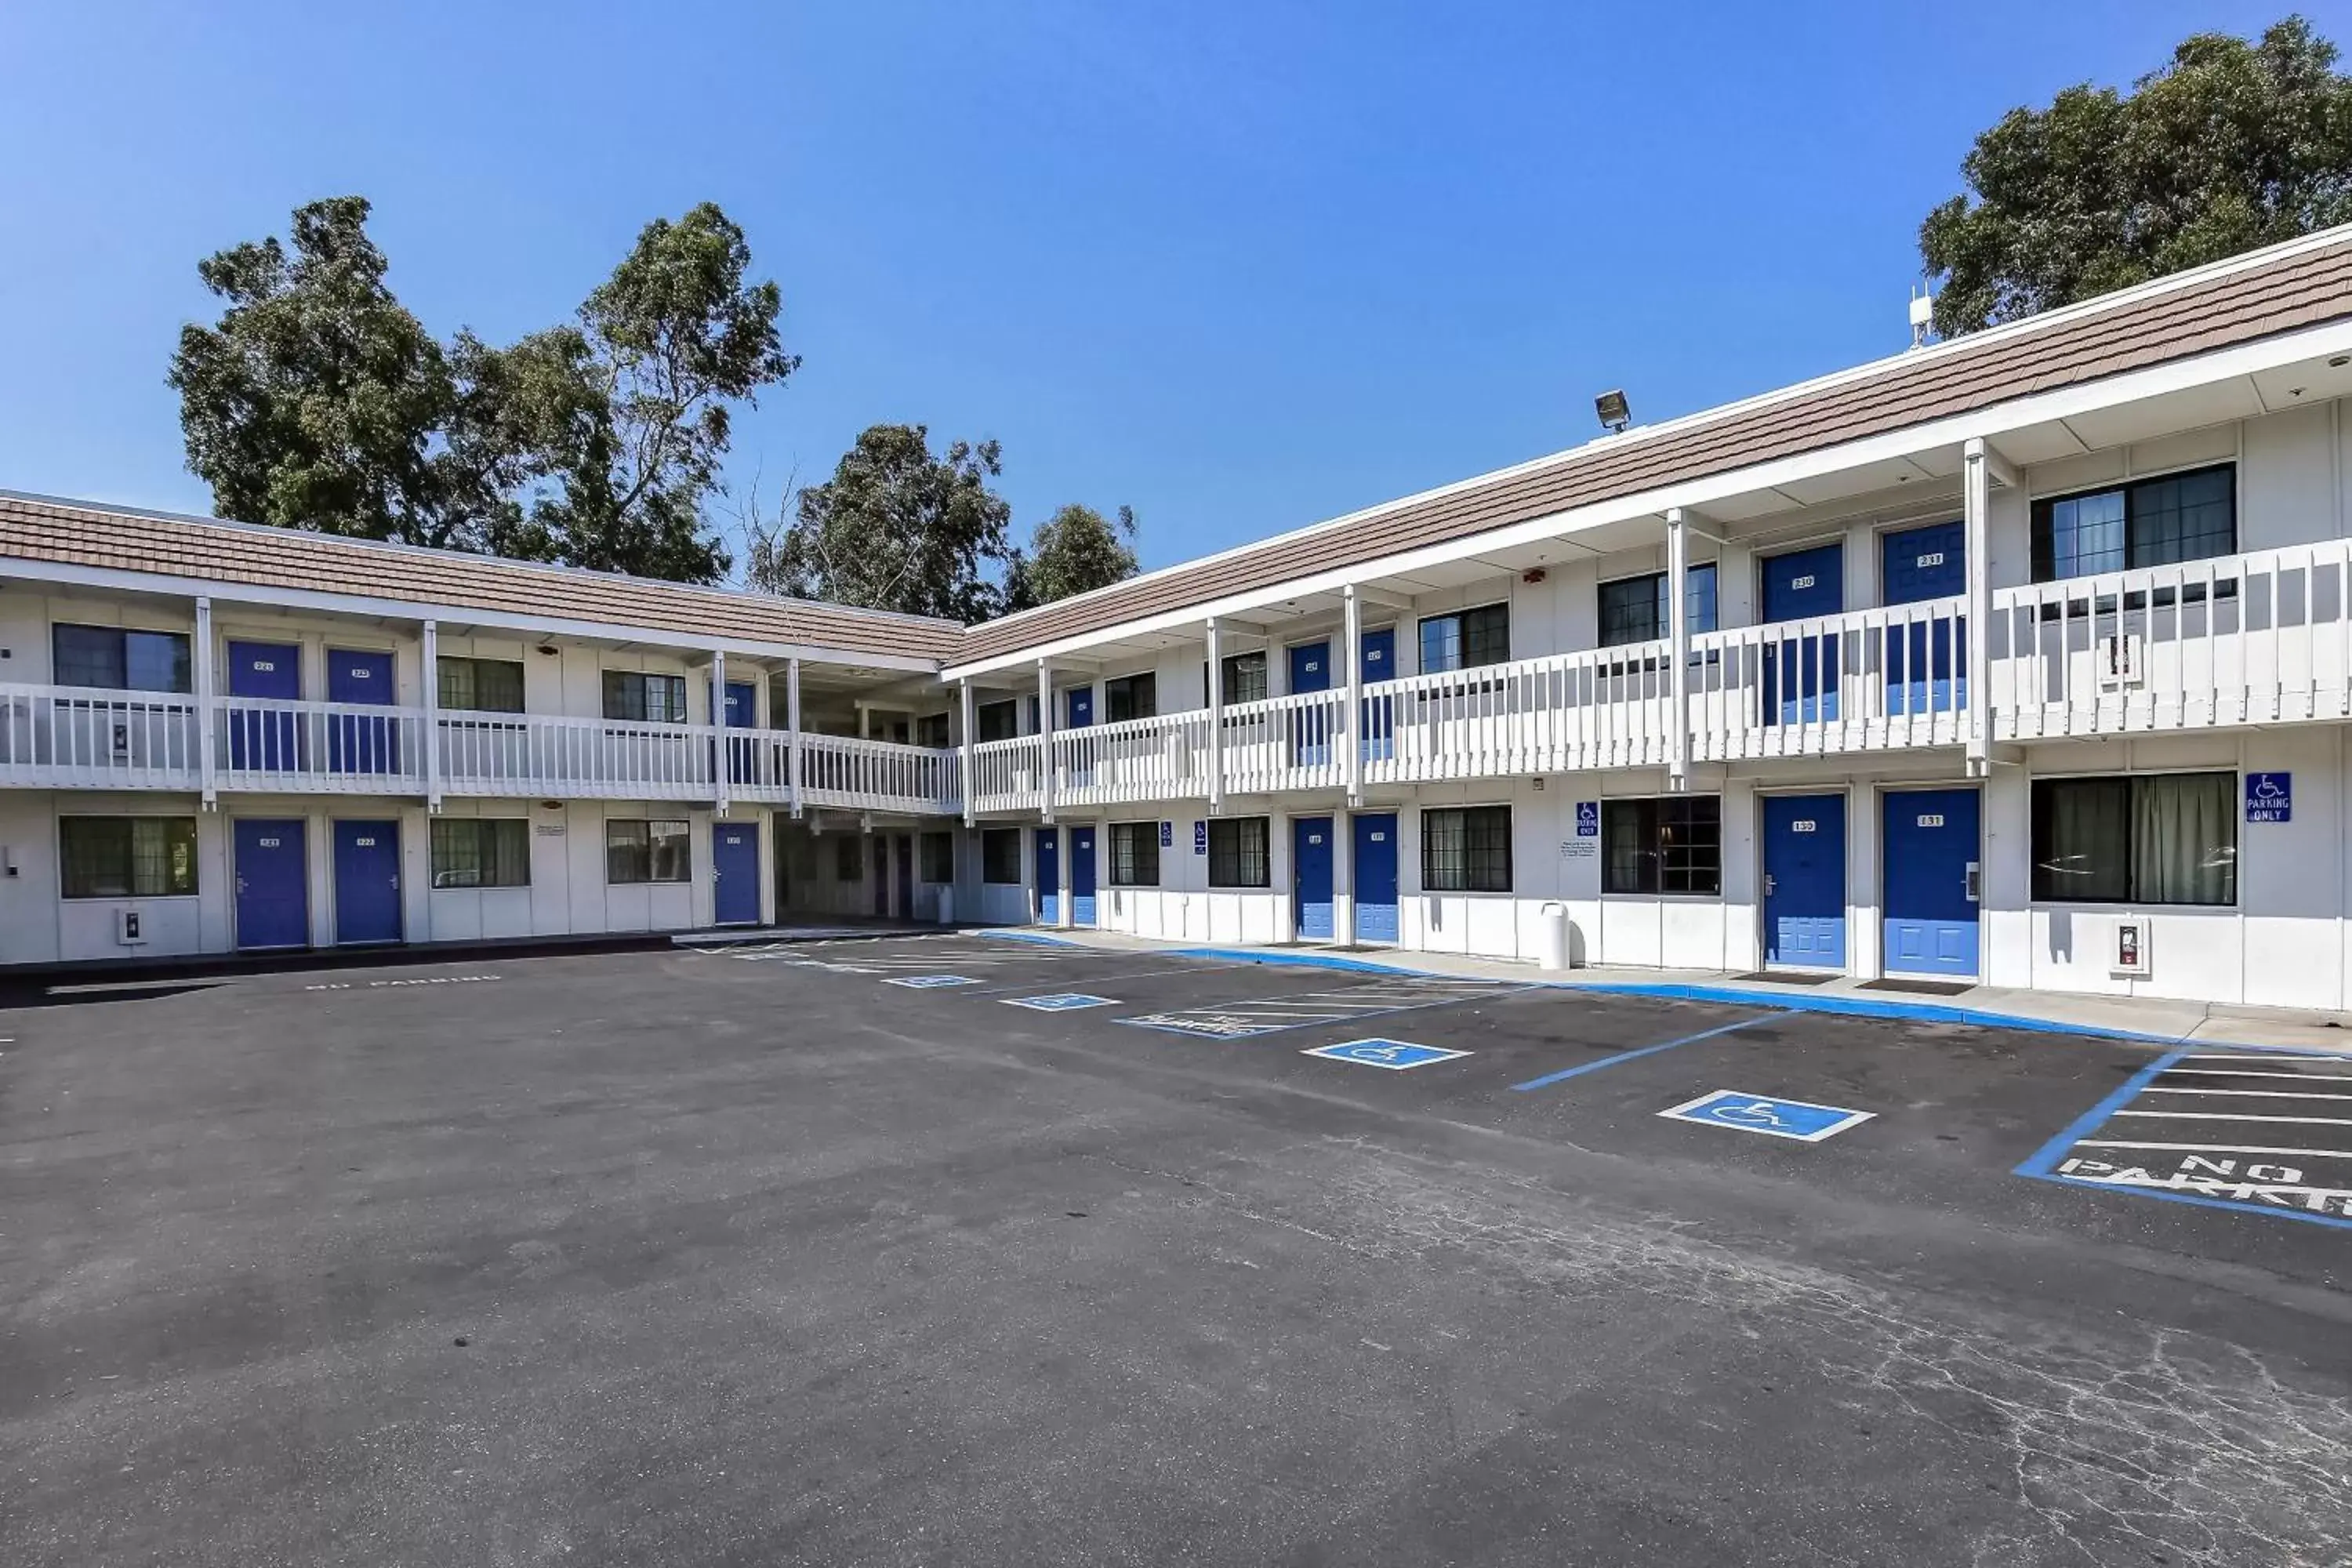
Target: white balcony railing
(64, 737)
(1602, 708)
(1006, 775)
(2258, 638)
(1166, 758)
(1285, 742)
(69, 738)
(1865, 680)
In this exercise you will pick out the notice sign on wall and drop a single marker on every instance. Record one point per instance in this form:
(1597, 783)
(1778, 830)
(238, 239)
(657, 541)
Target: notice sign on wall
(1167, 834)
(2270, 797)
(1588, 819)
(1580, 849)
(1200, 838)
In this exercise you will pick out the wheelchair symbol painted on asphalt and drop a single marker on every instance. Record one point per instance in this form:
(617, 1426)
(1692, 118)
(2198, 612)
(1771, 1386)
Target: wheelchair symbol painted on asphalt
(1060, 1001)
(1394, 1055)
(1799, 1119)
(929, 982)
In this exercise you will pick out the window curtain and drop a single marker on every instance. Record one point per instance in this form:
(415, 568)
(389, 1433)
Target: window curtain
(2185, 839)
(2088, 841)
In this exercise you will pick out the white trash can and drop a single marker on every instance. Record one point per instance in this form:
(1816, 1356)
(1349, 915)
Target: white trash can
(1554, 953)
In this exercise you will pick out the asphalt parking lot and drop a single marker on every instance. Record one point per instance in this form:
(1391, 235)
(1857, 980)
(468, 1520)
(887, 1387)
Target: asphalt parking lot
(958, 1250)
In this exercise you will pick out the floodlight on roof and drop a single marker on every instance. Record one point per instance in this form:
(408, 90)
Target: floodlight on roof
(1614, 412)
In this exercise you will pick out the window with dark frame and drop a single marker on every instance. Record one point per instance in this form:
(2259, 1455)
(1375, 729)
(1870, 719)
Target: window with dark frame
(1000, 857)
(1635, 609)
(1244, 678)
(2160, 521)
(1465, 849)
(117, 659)
(126, 856)
(939, 858)
(997, 721)
(1463, 640)
(932, 730)
(1131, 697)
(849, 857)
(1135, 854)
(635, 697)
(1666, 844)
(637, 850)
(478, 685)
(2136, 838)
(481, 852)
(1238, 856)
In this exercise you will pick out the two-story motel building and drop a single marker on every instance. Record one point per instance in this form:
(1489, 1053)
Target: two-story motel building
(2024, 658)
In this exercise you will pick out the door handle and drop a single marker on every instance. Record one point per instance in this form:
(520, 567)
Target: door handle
(1972, 882)
(1768, 884)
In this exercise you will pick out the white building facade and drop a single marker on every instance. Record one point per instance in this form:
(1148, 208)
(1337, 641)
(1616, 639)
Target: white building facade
(2024, 660)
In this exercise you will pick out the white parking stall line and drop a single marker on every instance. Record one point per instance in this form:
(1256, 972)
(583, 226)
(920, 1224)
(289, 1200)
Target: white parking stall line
(1271, 1015)
(2235, 1072)
(2238, 1116)
(2215, 1148)
(2247, 1093)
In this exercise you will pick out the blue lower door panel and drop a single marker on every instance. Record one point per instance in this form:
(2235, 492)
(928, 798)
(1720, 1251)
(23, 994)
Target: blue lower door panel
(1929, 853)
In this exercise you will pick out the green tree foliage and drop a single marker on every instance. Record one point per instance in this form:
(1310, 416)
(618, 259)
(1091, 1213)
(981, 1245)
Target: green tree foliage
(895, 528)
(318, 401)
(2231, 146)
(1075, 550)
(315, 400)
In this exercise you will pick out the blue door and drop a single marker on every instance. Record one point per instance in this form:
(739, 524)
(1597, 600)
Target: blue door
(1082, 875)
(357, 743)
(1376, 876)
(735, 873)
(367, 881)
(742, 714)
(1310, 735)
(1801, 674)
(1082, 707)
(1378, 654)
(1310, 859)
(273, 883)
(1049, 874)
(1927, 665)
(1804, 881)
(262, 739)
(1930, 856)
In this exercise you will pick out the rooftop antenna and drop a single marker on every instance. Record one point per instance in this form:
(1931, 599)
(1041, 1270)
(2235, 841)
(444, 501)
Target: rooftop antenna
(1614, 414)
(1923, 316)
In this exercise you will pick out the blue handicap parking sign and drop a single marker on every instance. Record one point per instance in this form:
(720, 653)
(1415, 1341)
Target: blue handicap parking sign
(1797, 1118)
(1200, 838)
(1060, 1001)
(929, 982)
(1394, 1055)
(2270, 797)
(1588, 819)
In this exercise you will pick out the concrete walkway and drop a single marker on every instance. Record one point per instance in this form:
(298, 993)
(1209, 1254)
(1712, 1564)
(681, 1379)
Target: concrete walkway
(2154, 1020)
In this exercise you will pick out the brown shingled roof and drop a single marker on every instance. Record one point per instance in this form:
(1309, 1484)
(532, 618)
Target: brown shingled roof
(76, 533)
(2302, 288)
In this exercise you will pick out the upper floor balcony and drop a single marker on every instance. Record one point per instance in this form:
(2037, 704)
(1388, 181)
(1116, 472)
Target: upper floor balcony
(2256, 637)
(61, 737)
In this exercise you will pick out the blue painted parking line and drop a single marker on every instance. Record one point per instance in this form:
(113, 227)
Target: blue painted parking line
(1394, 1055)
(1060, 1001)
(1799, 1119)
(2257, 1132)
(928, 981)
(1610, 1061)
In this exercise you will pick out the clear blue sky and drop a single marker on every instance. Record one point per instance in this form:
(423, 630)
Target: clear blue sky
(1242, 266)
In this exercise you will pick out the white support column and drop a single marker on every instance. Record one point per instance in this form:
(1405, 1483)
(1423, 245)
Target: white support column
(1065, 914)
(1976, 507)
(963, 744)
(1045, 744)
(1351, 720)
(1217, 722)
(864, 722)
(720, 781)
(207, 706)
(792, 729)
(432, 737)
(1343, 878)
(1678, 647)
